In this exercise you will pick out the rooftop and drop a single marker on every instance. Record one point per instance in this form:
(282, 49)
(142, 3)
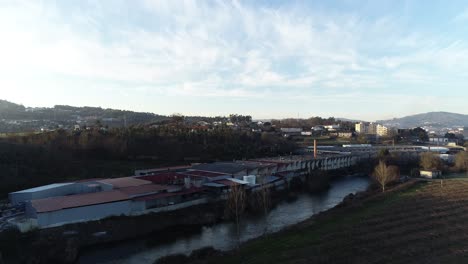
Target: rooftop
(163, 178)
(257, 163)
(163, 195)
(64, 202)
(203, 173)
(174, 168)
(144, 189)
(231, 182)
(221, 167)
(45, 187)
(124, 182)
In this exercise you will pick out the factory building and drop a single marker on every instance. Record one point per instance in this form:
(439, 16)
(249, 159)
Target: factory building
(56, 189)
(77, 208)
(162, 190)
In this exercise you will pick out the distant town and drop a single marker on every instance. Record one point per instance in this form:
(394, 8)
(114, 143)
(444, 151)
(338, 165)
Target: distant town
(65, 176)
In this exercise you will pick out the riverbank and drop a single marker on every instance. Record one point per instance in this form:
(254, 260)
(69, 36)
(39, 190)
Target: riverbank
(416, 222)
(223, 235)
(64, 244)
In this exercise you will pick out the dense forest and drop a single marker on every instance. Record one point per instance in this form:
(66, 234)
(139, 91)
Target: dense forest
(60, 155)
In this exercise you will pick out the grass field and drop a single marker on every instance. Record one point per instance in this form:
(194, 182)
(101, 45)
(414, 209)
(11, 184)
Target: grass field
(426, 223)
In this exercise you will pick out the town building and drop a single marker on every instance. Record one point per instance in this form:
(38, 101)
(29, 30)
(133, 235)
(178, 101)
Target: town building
(332, 127)
(361, 128)
(372, 129)
(382, 130)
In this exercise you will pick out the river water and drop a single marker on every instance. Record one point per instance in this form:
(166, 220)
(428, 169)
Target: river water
(223, 236)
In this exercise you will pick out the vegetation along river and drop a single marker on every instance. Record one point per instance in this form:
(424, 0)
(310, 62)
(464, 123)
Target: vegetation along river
(223, 236)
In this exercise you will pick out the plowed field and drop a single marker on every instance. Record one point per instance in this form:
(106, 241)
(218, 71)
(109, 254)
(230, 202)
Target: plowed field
(426, 223)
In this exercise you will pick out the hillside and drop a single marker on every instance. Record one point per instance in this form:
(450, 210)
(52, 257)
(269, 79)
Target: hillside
(431, 119)
(18, 118)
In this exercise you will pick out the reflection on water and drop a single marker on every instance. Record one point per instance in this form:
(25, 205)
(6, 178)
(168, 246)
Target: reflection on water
(223, 236)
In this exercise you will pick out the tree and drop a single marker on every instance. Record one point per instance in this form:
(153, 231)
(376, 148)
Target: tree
(236, 205)
(429, 161)
(383, 154)
(420, 133)
(177, 119)
(263, 198)
(461, 161)
(384, 174)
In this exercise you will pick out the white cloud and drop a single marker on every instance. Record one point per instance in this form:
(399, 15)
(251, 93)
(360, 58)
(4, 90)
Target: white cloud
(224, 49)
(461, 17)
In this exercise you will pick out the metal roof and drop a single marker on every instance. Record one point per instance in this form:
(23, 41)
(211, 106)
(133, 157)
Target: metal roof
(144, 189)
(203, 173)
(45, 187)
(80, 200)
(169, 194)
(164, 169)
(238, 181)
(124, 182)
(214, 184)
(222, 167)
(227, 183)
(163, 178)
(269, 179)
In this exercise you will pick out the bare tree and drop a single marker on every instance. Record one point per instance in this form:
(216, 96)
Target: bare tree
(384, 174)
(236, 204)
(461, 161)
(429, 161)
(263, 198)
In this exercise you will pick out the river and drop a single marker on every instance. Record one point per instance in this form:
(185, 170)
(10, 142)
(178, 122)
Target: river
(223, 236)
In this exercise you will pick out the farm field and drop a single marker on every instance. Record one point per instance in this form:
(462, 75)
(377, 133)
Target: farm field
(425, 223)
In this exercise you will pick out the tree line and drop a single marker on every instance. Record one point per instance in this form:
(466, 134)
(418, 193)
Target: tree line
(60, 155)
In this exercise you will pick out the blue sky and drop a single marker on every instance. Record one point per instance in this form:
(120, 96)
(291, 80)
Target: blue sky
(271, 59)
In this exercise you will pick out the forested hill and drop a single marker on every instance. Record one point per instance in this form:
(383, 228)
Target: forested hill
(18, 118)
(435, 119)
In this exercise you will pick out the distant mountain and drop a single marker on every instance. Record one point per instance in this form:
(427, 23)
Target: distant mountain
(18, 118)
(431, 119)
(349, 120)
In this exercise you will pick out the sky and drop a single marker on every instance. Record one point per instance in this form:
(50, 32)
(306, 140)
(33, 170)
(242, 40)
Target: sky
(271, 59)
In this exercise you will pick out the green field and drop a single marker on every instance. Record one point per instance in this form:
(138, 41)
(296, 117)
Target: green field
(425, 223)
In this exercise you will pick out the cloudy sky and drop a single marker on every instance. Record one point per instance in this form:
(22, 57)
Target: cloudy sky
(355, 59)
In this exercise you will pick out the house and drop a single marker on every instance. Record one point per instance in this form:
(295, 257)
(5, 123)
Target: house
(291, 131)
(431, 174)
(438, 140)
(332, 127)
(345, 134)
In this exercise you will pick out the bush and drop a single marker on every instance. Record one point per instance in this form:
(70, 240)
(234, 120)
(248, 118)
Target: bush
(9, 242)
(204, 253)
(173, 259)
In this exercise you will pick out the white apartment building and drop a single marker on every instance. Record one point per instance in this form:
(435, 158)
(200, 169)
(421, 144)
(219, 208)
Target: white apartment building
(372, 128)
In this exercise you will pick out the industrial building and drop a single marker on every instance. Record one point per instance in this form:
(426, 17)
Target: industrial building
(157, 190)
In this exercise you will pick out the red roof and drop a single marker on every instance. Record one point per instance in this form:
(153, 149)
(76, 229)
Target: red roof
(163, 178)
(143, 189)
(201, 173)
(64, 202)
(124, 182)
(162, 195)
